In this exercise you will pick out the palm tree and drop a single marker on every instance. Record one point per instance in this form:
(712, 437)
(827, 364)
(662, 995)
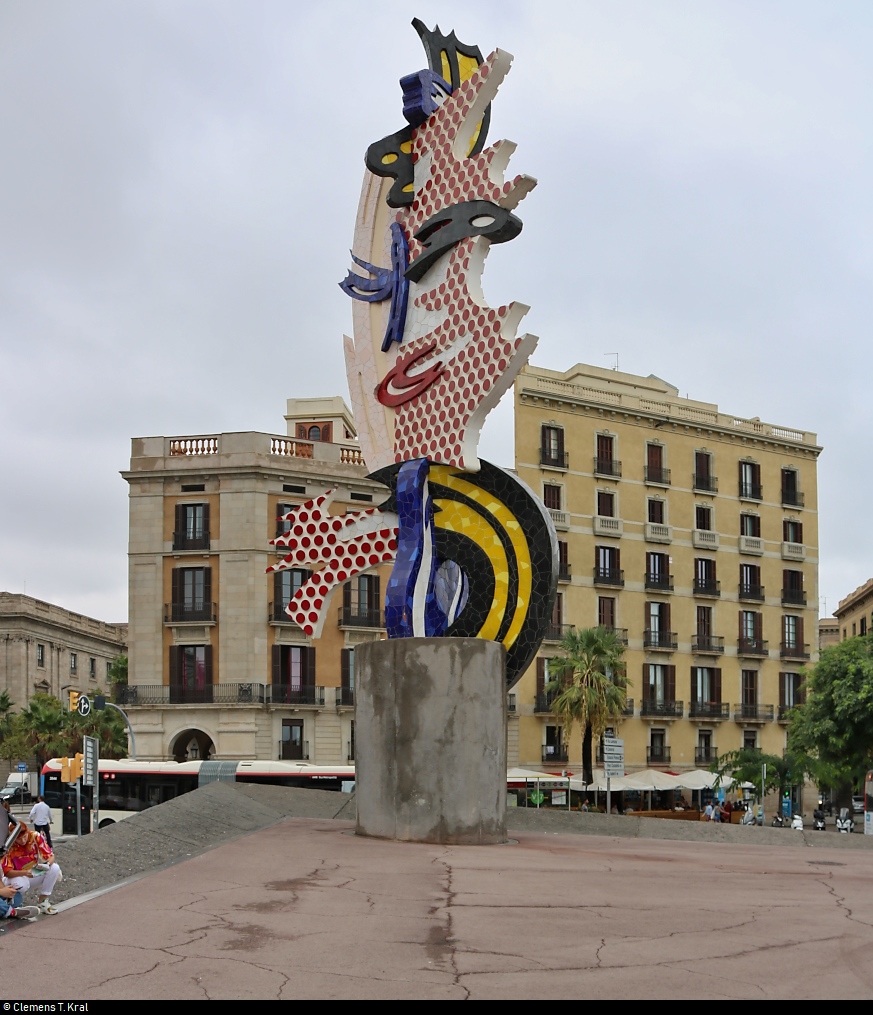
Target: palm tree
(591, 686)
(44, 728)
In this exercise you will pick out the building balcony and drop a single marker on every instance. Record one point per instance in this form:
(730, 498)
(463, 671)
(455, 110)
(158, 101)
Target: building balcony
(608, 576)
(554, 755)
(190, 613)
(543, 703)
(704, 483)
(704, 539)
(658, 755)
(345, 697)
(753, 713)
(793, 650)
(659, 582)
(355, 617)
(561, 519)
(792, 499)
(707, 587)
(184, 541)
(751, 491)
(752, 592)
(619, 632)
(276, 615)
(250, 693)
(784, 712)
(628, 709)
(664, 641)
(711, 711)
(287, 694)
(564, 571)
(752, 647)
(607, 467)
(556, 632)
(605, 526)
(662, 709)
(793, 551)
(556, 461)
(752, 545)
(705, 755)
(657, 477)
(657, 533)
(707, 644)
(793, 597)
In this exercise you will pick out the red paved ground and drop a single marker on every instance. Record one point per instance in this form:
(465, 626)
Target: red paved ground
(307, 910)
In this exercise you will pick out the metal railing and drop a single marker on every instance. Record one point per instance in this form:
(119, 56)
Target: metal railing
(291, 752)
(751, 491)
(708, 644)
(556, 632)
(249, 693)
(662, 709)
(607, 467)
(659, 582)
(564, 571)
(705, 755)
(190, 613)
(553, 755)
(182, 541)
(793, 597)
(345, 697)
(705, 483)
(658, 755)
(557, 461)
(543, 702)
(709, 710)
(351, 616)
(792, 498)
(628, 709)
(660, 477)
(748, 591)
(608, 576)
(285, 694)
(707, 587)
(659, 639)
(752, 647)
(793, 650)
(619, 632)
(277, 615)
(753, 713)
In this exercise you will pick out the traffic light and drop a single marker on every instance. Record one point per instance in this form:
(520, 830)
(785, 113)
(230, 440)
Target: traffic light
(65, 769)
(99, 702)
(74, 701)
(71, 768)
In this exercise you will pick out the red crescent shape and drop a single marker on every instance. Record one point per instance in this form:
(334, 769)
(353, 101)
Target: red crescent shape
(409, 387)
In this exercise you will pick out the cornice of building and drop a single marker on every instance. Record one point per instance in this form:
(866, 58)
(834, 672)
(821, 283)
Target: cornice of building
(19, 607)
(854, 599)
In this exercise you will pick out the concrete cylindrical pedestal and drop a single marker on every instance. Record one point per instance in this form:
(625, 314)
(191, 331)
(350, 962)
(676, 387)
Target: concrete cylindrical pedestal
(430, 740)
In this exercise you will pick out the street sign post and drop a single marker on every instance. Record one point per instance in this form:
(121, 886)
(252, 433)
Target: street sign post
(91, 774)
(83, 705)
(613, 764)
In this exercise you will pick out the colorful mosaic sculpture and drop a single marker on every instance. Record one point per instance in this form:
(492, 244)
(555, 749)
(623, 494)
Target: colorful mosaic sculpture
(475, 552)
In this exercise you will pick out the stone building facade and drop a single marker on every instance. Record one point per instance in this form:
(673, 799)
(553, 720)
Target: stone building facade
(694, 535)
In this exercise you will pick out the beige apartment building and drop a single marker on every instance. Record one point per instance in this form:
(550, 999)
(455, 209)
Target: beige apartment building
(217, 668)
(49, 650)
(854, 616)
(693, 534)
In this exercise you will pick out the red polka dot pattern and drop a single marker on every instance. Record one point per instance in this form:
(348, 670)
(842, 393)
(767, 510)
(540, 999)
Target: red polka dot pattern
(342, 558)
(434, 423)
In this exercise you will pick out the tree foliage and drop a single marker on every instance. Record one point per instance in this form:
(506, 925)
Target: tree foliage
(747, 766)
(590, 686)
(118, 671)
(833, 730)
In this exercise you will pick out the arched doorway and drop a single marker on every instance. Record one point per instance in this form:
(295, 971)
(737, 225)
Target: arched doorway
(192, 745)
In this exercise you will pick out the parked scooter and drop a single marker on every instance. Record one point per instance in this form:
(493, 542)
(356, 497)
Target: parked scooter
(845, 822)
(818, 821)
(797, 822)
(778, 821)
(749, 817)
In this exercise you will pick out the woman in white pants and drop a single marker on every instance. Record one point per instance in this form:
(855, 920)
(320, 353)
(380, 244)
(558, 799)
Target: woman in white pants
(29, 863)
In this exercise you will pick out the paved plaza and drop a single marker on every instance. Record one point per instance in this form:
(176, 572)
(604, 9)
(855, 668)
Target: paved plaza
(306, 909)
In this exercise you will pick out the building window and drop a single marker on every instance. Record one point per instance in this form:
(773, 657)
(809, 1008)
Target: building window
(703, 477)
(658, 572)
(286, 584)
(190, 673)
(607, 565)
(863, 626)
(750, 481)
(563, 560)
(751, 627)
(750, 740)
(790, 494)
(658, 633)
(92, 669)
(750, 525)
(655, 471)
(705, 752)
(792, 633)
(792, 531)
(40, 655)
(705, 685)
(192, 594)
(347, 675)
(283, 524)
(704, 623)
(108, 669)
(556, 624)
(605, 504)
(192, 527)
(703, 517)
(790, 693)
(792, 588)
(74, 662)
(659, 752)
(362, 603)
(552, 447)
(656, 511)
(750, 687)
(659, 688)
(293, 675)
(605, 463)
(314, 432)
(606, 612)
(750, 582)
(552, 496)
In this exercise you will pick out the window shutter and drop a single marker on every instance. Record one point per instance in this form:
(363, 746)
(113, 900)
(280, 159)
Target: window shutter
(759, 626)
(207, 590)
(716, 685)
(374, 601)
(180, 522)
(544, 441)
(782, 678)
(665, 617)
(301, 430)
(345, 655)
(799, 630)
(326, 432)
(800, 695)
(278, 600)
(175, 668)
(276, 674)
(206, 522)
(347, 597)
(207, 665)
(176, 595)
(560, 433)
(756, 474)
(693, 685)
(647, 686)
(308, 666)
(654, 455)
(541, 675)
(670, 683)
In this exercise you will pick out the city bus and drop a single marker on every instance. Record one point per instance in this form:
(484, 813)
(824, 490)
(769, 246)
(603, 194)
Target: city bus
(128, 787)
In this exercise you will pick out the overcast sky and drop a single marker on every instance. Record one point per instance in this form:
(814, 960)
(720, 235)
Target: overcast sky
(178, 186)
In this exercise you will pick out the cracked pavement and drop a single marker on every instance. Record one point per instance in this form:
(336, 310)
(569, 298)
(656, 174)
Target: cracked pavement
(305, 909)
